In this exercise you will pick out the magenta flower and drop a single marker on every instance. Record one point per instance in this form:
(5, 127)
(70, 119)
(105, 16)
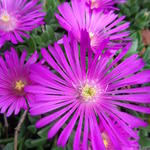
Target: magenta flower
(17, 17)
(14, 76)
(104, 4)
(76, 92)
(132, 143)
(105, 30)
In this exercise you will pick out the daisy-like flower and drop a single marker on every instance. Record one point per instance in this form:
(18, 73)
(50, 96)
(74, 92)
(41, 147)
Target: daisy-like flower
(17, 17)
(105, 30)
(133, 143)
(14, 76)
(80, 93)
(104, 4)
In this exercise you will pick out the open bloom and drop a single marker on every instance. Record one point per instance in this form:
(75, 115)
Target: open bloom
(14, 76)
(132, 143)
(105, 30)
(17, 17)
(80, 92)
(106, 5)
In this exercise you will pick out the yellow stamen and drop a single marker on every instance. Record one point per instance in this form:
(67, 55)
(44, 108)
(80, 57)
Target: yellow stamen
(91, 34)
(94, 4)
(88, 92)
(105, 140)
(5, 17)
(19, 85)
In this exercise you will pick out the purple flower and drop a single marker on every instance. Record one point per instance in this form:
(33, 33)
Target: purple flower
(105, 30)
(14, 76)
(17, 17)
(104, 4)
(80, 92)
(132, 143)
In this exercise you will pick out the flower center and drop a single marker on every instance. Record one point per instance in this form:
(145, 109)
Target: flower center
(5, 17)
(19, 86)
(94, 4)
(91, 35)
(92, 38)
(105, 140)
(88, 92)
(7, 22)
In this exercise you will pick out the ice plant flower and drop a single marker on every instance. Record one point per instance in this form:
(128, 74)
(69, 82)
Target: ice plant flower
(105, 5)
(17, 17)
(14, 77)
(105, 30)
(133, 143)
(80, 92)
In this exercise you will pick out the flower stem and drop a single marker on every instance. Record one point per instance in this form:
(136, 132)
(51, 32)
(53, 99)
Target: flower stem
(6, 124)
(42, 26)
(17, 129)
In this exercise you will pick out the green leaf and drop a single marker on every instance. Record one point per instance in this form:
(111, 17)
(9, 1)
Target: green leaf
(37, 39)
(43, 132)
(33, 119)
(40, 148)
(32, 129)
(50, 31)
(57, 148)
(133, 49)
(21, 144)
(31, 45)
(45, 37)
(146, 56)
(5, 141)
(38, 142)
(144, 142)
(35, 143)
(9, 146)
(144, 137)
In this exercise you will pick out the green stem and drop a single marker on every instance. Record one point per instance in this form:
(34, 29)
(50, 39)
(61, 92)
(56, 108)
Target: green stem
(5, 141)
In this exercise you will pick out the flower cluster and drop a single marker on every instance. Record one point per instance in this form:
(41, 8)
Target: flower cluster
(85, 86)
(89, 94)
(106, 31)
